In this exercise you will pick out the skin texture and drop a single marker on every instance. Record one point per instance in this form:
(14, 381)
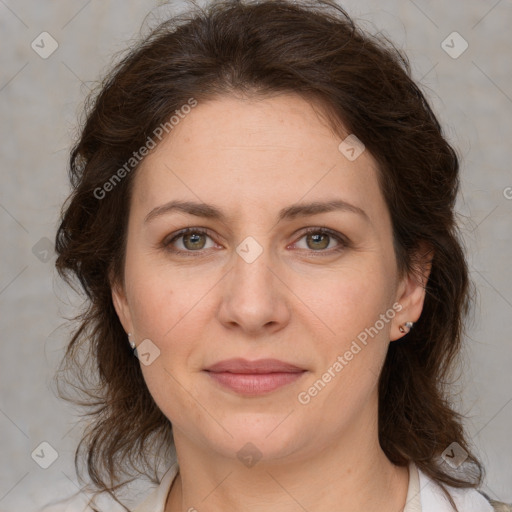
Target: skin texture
(300, 301)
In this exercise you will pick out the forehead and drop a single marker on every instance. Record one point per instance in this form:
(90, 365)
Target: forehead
(255, 153)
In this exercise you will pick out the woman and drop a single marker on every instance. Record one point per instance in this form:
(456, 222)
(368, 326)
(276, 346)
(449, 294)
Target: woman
(262, 220)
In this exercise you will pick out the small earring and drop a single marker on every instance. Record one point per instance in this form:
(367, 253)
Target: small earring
(130, 341)
(408, 326)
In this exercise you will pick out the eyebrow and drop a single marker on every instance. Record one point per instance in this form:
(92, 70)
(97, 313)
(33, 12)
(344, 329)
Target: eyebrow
(290, 212)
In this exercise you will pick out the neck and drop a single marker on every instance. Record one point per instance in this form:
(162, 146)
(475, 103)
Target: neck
(354, 475)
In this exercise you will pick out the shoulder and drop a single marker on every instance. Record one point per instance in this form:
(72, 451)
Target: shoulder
(155, 502)
(82, 502)
(498, 506)
(467, 500)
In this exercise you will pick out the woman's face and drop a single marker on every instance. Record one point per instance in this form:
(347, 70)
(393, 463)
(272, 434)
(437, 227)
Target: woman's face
(289, 257)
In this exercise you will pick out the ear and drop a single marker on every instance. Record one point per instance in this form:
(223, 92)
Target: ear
(121, 305)
(411, 289)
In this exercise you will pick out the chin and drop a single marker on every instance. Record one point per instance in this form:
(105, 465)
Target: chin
(264, 437)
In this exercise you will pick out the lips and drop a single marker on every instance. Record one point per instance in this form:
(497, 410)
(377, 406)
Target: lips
(254, 377)
(255, 367)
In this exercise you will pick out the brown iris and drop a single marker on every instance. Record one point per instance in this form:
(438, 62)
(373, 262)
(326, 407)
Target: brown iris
(196, 240)
(321, 239)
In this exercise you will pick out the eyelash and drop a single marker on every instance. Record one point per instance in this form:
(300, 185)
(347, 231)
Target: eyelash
(342, 241)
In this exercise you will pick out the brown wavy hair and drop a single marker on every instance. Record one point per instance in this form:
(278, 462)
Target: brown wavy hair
(363, 82)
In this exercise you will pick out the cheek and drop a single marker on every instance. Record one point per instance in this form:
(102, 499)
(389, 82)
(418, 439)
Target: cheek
(356, 311)
(158, 298)
(166, 307)
(349, 362)
(159, 312)
(349, 300)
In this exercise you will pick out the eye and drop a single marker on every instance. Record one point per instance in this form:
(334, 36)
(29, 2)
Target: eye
(189, 240)
(196, 240)
(322, 240)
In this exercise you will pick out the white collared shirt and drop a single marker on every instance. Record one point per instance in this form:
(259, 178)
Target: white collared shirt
(423, 495)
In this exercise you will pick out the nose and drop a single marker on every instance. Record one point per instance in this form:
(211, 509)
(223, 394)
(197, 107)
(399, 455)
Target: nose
(254, 298)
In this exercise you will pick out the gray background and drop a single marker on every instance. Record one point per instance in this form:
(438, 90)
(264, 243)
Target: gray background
(39, 102)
